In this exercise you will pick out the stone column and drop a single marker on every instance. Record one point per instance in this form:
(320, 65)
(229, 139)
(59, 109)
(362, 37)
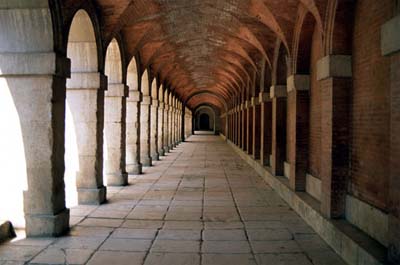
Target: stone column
(278, 151)
(133, 165)
(145, 157)
(161, 122)
(243, 121)
(266, 128)
(298, 100)
(390, 46)
(237, 125)
(176, 118)
(335, 87)
(166, 127)
(85, 96)
(249, 132)
(154, 130)
(171, 126)
(115, 128)
(35, 81)
(256, 128)
(183, 124)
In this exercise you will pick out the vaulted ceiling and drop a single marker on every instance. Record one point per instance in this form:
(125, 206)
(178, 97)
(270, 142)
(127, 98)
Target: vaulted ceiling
(204, 45)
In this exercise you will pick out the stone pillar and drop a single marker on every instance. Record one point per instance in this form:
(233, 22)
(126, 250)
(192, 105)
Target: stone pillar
(161, 122)
(36, 82)
(334, 73)
(85, 96)
(243, 121)
(298, 98)
(249, 127)
(166, 127)
(256, 128)
(178, 124)
(133, 165)
(390, 42)
(145, 157)
(154, 130)
(278, 148)
(238, 127)
(183, 123)
(171, 126)
(266, 128)
(115, 128)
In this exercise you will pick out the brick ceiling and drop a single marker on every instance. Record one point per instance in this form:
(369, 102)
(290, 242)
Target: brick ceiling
(204, 45)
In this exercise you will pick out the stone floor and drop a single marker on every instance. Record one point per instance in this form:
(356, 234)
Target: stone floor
(201, 204)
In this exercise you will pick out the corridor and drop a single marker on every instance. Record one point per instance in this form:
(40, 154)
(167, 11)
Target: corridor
(200, 204)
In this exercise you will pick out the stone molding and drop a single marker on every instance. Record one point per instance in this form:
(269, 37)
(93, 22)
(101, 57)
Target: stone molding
(298, 82)
(116, 90)
(390, 36)
(134, 96)
(264, 97)
(334, 66)
(20, 64)
(87, 81)
(278, 92)
(255, 101)
(155, 103)
(146, 100)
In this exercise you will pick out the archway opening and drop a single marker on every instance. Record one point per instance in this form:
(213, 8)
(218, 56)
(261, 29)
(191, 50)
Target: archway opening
(82, 51)
(205, 122)
(13, 178)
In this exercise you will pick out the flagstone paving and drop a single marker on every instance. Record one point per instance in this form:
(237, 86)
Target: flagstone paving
(201, 204)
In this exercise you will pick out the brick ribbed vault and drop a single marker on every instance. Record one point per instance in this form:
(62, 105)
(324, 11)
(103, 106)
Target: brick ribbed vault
(198, 45)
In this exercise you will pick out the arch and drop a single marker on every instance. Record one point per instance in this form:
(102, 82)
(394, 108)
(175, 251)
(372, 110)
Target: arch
(83, 110)
(154, 89)
(82, 46)
(306, 28)
(205, 110)
(145, 83)
(214, 94)
(280, 66)
(132, 79)
(214, 116)
(113, 63)
(204, 122)
(339, 27)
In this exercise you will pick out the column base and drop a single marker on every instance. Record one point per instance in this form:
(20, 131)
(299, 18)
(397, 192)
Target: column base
(166, 149)
(171, 147)
(146, 161)
(92, 196)
(161, 152)
(134, 169)
(117, 179)
(42, 225)
(155, 157)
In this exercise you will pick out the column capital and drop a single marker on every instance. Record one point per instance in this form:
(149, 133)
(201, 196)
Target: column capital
(390, 37)
(87, 81)
(278, 92)
(155, 103)
(298, 82)
(334, 66)
(35, 64)
(247, 104)
(146, 100)
(255, 101)
(116, 90)
(264, 97)
(161, 105)
(134, 96)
